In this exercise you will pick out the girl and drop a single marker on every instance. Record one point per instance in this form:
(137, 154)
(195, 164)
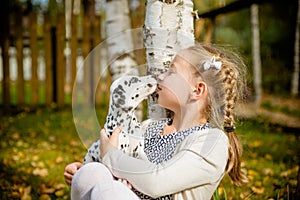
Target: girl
(189, 154)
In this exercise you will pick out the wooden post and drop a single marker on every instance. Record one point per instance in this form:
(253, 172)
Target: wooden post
(199, 28)
(61, 62)
(86, 36)
(4, 42)
(34, 56)
(19, 50)
(257, 71)
(48, 60)
(97, 58)
(6, 78)
(208, 37)
(73, 46)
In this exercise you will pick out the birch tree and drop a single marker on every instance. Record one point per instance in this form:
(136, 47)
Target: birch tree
(257, 77)
(295, 78)
(168, 27)
(118, 22)
(120, 42)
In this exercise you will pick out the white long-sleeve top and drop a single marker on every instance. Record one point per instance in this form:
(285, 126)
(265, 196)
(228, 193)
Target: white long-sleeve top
(193, 173)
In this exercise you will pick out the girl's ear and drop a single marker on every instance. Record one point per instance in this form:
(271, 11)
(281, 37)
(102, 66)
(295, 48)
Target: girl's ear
(199, 90)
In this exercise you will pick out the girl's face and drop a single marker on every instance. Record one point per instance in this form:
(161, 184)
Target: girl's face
(176, 85)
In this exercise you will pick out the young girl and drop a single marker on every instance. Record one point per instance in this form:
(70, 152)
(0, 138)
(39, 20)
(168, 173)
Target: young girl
(189, 154)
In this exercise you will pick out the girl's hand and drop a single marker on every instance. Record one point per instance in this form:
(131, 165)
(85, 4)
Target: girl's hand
(70, 170)
(107, 143)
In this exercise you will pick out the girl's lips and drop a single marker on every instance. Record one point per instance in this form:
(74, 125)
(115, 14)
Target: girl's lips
(158, 88)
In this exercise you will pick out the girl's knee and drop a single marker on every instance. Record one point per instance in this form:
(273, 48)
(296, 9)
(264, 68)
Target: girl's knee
(87, 177)
(93, 171)
(112, 190)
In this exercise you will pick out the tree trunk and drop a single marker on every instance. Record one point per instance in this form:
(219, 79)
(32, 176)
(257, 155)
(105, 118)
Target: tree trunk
(48, 48)
(20, 57)
(120, 44)
(256, 54)
(34, 85)
(295, 86)
(4, 44)
(295, 77)
(168, 27)
(119, 40)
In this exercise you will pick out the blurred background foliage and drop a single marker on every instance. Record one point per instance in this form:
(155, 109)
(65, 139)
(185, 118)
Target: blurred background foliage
(277, 36)
(277, 32)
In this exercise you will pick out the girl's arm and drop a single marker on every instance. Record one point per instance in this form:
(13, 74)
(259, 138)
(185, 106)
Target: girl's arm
(200, 159)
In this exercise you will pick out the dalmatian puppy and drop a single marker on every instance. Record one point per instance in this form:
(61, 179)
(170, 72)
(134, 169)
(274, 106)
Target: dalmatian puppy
(126, 93)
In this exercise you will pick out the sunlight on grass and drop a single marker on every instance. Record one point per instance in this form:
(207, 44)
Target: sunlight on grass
(36, 146)
(270, 158)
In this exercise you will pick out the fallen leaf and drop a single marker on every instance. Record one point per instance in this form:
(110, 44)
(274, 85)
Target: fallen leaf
(59, 193)
(59, 159)
(258, 190)
(45, 197)
(46, 190)
(40, 172)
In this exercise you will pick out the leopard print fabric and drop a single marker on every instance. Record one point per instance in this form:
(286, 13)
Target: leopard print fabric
(160, 148)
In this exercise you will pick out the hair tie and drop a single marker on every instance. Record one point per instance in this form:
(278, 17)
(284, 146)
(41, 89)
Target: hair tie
(212, 64)
(229, 129)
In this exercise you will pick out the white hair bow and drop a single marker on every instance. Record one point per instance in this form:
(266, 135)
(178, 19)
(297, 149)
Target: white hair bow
(212, 64)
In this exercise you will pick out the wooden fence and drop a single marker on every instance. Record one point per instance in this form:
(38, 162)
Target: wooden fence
(47, 40)
(44, 35)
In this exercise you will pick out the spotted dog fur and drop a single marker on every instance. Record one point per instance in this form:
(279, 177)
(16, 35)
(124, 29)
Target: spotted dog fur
(126, 93)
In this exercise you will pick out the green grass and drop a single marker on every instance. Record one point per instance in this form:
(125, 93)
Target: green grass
(37, 145)
(27, 92)
(271, 160)
(283, 109)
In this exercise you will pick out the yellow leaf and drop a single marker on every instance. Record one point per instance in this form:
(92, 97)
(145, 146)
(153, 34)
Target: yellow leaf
(60, 186)
(268, 157)
(16, 136)
(20, 143)
(21, 155)
(59, 159)
(51, 138)
(41, 164)
(258, 190)
(268, 171)
(40, 172)
(26, 194)
(15, 195)
(258, 183)
(35, 157)
(15, 158)
(45, 190)
(45, 197)
(220, 191)
(59, 193)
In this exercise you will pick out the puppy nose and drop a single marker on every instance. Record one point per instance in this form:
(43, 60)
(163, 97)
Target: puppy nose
(149, 85)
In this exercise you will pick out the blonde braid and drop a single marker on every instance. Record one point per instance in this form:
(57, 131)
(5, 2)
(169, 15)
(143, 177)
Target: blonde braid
(226, 86)
(230, 77)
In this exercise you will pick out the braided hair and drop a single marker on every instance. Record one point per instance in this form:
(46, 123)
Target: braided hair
(225, 88)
